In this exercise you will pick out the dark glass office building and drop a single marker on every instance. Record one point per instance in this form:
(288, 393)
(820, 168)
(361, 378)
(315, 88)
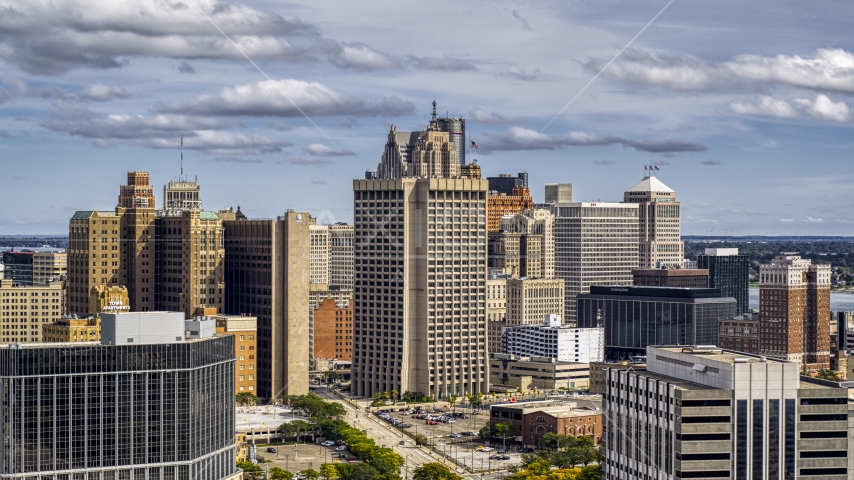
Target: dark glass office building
(636, 317)
(89, 411)
(729, 272)
(19, 267)
(505, 184)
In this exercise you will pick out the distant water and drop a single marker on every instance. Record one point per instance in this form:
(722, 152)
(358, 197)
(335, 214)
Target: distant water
(838, 301)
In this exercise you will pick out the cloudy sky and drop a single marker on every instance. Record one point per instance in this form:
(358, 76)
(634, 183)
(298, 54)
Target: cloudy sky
(743, 106)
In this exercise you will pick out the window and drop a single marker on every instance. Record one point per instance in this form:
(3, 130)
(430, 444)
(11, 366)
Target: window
(825, 454)
(709, 419)
(829, 417)
(824, 401)
(838, 434)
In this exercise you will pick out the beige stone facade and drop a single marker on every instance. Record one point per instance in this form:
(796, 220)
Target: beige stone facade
(24, 310)
(420, 280)
(94, 256)
(106, 299)
(496, 311)
(659, 232)
(49, 266)
(73, 330)
(267, 274)
(529, 300)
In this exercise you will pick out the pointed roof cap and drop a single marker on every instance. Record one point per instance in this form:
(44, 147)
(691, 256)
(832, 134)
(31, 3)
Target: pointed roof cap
(650, 184)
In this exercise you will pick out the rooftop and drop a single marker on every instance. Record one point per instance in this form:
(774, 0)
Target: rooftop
(650, 184)
(721, 355)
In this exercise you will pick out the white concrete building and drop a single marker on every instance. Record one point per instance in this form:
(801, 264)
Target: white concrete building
(595, 244)
(659, 232)
(553, 340)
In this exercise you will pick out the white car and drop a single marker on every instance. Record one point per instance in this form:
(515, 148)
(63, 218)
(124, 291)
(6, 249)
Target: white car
(488, 449)
(340, 448)
(328, 443)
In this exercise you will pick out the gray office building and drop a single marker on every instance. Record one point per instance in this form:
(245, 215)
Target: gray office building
(729, 272)
(120, 412)
(714, 414)
(637, 317)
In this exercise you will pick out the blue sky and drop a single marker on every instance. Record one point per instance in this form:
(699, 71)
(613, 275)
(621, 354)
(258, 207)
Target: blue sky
(743, 106)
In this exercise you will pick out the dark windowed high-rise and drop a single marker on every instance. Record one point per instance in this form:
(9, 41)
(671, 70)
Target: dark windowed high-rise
(505, 184)
(729, 272)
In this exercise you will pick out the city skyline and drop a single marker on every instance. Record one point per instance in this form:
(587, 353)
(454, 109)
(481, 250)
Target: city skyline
(748, 122)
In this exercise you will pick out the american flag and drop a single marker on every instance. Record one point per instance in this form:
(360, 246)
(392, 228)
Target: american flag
(474, 144)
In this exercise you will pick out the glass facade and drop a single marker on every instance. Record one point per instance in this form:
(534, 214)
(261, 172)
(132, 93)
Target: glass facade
(730, 274)
(631, 323)
(118, 412)
(758, 436)
(741, 440)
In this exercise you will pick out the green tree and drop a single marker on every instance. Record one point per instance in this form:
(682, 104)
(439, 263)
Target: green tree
(434, 471)
(244, 399)
(395, 396)
(328, 471)
(277, 473)
(421, 439)
(505, 431)
(827, 374)
(310, 473)
(487, 432)
(476, 401)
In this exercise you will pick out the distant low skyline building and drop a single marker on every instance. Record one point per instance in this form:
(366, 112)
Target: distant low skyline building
(504, 183)
(558, 193)
(18, 267)
(49, 266)
(25, 309)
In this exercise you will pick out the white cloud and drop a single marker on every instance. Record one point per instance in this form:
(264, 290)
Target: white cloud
(219, 142)
(321, 150)
(765, 105)
(787, 220)
(98, 92)
(824, 108)
(812, 220)
(483, 116)
(358, 56)
(826, 69)
(280, 98)
(519, 138)
(444, 64)
(821, 108)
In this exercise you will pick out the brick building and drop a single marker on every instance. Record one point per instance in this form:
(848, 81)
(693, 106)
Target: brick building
(333, 330)
(499, 205)
(533, 420)
(671, 277)
(739, 334)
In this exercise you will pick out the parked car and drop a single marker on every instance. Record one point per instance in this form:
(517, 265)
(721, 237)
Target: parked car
(526, 450)
(328, 443)
(494, 457)
(271, 450)
(488, 449)
(455, 435)
(404, 425)
(432, 422)
(340, 448)
(504, 457)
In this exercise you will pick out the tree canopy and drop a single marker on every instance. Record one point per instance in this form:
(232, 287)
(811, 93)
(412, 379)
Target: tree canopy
(434, 471)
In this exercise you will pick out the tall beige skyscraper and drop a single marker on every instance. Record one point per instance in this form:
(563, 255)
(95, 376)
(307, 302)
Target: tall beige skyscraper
(319, 256)
(332, 255)
(420, 281)
(267, 276)
(659, 231)
(595, 244)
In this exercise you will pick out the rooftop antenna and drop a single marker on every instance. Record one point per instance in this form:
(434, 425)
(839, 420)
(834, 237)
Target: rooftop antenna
(182, 158)
(434, 111)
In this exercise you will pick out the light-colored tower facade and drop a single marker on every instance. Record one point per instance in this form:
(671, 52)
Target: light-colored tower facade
(94, 256)
(25, 310)
(273, 288)
(501, 205)
(420, 286)
(529, 300)
(794, 311)
(537, 242)
(48, 266)
(659, 229)
(595, 244)
(189, 267)
(319, 261)
(341, 256)
(496, 310)
(182, 195)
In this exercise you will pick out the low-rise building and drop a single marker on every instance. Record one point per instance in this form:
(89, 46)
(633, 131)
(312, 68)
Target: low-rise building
(245, 330)
(542, 373)
(532, 420)
(24, 310)
(739, 333)
(599, 370)
(552, 339)
(710, 413)
(69, 328)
